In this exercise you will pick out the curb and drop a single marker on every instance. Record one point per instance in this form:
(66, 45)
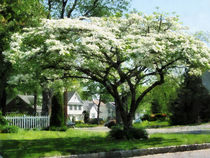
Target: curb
(139, 152)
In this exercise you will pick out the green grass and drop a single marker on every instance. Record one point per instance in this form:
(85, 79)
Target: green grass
(152, 124)
(85, 125)
(50, 143)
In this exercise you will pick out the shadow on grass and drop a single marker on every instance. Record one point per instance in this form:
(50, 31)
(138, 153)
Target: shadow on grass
(72, 145)
(193, 132)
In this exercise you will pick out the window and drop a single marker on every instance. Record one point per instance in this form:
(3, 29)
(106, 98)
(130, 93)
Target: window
(93, 115)
(70, 107)
(75, 107)
(80, 108)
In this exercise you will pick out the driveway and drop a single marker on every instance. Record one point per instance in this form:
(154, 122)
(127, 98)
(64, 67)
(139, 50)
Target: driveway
(186, 154)
(198, 129)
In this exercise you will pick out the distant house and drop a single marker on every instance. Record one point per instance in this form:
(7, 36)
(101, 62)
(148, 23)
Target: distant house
(76, 108)
(108, 111)
(20, 104)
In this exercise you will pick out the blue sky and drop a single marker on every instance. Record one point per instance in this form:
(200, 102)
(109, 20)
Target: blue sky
(193, 13)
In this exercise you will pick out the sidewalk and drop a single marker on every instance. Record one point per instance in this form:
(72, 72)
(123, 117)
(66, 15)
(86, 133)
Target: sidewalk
(141, 152)
(186, 154)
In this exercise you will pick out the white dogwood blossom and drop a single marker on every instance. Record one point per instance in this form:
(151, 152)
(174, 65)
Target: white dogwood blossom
(121, 53)
(150, 41)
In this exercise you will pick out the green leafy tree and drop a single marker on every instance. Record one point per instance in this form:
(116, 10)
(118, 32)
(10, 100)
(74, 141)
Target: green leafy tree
(87, 8)
(192, 102)
(155, 106)
(161, 96)
(121, 53)
(14, 15)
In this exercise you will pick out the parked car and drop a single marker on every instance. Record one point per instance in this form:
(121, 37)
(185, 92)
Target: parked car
(137, 120)
(110, 123)
(70, 124)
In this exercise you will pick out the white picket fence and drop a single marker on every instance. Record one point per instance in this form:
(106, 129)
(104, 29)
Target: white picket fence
(28, 122)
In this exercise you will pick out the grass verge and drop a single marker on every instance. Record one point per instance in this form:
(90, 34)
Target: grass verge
(152, 124)
(29, 144)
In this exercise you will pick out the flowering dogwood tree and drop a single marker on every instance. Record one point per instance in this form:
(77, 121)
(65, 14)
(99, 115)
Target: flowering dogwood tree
(120, 53)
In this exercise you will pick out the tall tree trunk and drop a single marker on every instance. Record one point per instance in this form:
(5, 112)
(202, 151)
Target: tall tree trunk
(117, 113)
(35, 103)
(46, 101)
(49, 9)
(98, 110)
(65, 105)
(3, 101)
(64, 2)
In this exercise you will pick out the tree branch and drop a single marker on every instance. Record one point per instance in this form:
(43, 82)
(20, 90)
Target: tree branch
(64, 2)
(91, 9)
(72, 8)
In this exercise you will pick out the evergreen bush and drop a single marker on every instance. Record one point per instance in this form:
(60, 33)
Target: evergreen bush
(57, 115)
(192, 104)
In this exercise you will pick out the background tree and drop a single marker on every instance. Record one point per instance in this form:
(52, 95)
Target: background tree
(163, 95)
(192, 103)
(121, 53)
(14, 15)
(87, 8)
(95, 90)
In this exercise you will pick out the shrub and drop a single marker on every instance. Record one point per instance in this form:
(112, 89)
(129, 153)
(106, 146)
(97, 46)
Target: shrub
(3, 121)
(160, 116)
(79, 122)
(95, 121)
(86, 116)
(154, 117)
(117, 132)
(137, 133)
(9, 129)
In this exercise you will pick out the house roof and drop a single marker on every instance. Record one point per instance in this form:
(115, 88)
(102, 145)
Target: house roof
(71, 94)
(28, 99)
(88, 105)
(97, 102)
(111, 105)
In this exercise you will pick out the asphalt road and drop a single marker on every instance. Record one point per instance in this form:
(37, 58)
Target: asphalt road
(198, 129)
(186, 154)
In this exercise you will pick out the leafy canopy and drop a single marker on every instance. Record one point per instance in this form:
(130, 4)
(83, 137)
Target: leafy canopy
(119, 52)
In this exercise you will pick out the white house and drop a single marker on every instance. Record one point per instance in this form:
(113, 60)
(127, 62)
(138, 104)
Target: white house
(76, 107)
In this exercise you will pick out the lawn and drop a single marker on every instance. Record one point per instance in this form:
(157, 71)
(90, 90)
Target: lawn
(73, 141)
(152, 124)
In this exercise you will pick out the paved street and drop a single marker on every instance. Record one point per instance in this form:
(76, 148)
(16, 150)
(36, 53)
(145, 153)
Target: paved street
(186, 154)
(198, 129)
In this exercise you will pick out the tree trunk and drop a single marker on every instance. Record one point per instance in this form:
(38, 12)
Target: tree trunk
(35, 103)
(46, 101)
(98, 110)
(3, 101)
(64, 2)
(65, 105)
(117, 113)
(49, 9)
